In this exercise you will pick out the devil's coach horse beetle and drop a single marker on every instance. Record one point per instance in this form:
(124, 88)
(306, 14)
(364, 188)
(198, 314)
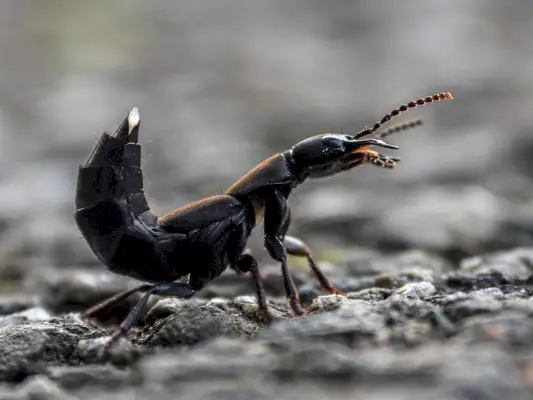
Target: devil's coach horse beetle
(202, 239)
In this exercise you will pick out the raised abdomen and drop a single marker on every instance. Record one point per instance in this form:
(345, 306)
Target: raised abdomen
(138, 256)
(103, 225)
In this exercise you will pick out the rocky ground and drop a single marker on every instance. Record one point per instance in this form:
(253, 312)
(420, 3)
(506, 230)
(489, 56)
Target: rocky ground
(412, 326)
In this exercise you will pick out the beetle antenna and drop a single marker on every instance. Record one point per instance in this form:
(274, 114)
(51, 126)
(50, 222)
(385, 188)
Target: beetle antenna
(404, 107)
(404, 126)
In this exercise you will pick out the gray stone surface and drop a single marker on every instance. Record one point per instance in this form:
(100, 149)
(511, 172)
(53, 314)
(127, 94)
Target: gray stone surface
(463, 336)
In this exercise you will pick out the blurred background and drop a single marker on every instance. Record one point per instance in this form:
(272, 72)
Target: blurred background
(223, 85)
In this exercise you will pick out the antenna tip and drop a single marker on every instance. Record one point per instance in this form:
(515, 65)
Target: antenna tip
(133, 119)
(447, 96)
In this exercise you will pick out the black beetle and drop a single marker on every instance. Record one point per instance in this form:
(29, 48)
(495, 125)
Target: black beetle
(202, 239)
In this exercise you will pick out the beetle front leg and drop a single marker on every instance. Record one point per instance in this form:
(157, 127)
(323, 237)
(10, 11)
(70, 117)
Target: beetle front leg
(274, 216)
(297, 248)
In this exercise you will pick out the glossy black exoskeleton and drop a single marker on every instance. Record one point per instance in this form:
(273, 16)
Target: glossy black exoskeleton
(200, 240)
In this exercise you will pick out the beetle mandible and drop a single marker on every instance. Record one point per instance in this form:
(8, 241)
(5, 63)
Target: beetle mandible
(201, 240)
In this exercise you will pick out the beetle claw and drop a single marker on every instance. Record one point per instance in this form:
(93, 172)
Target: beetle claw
(263, 315)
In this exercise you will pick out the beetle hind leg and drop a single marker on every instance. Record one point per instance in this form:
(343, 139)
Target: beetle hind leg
(175, 289)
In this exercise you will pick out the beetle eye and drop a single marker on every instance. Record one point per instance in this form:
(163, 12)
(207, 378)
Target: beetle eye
(333, 142)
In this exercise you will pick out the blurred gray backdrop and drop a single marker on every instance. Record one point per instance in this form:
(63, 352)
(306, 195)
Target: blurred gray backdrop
(221, 85)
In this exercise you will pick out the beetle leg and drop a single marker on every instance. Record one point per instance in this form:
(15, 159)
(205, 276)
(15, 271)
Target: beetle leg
(290, 289)
(111, 301)
(177, 289)
(274, 216)
(296, 247)
(247, 263)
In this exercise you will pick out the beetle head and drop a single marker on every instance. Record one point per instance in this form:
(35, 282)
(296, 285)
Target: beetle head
(330, 153)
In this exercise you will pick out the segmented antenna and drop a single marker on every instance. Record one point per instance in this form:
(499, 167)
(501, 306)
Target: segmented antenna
(404, 107)
(404, 126)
